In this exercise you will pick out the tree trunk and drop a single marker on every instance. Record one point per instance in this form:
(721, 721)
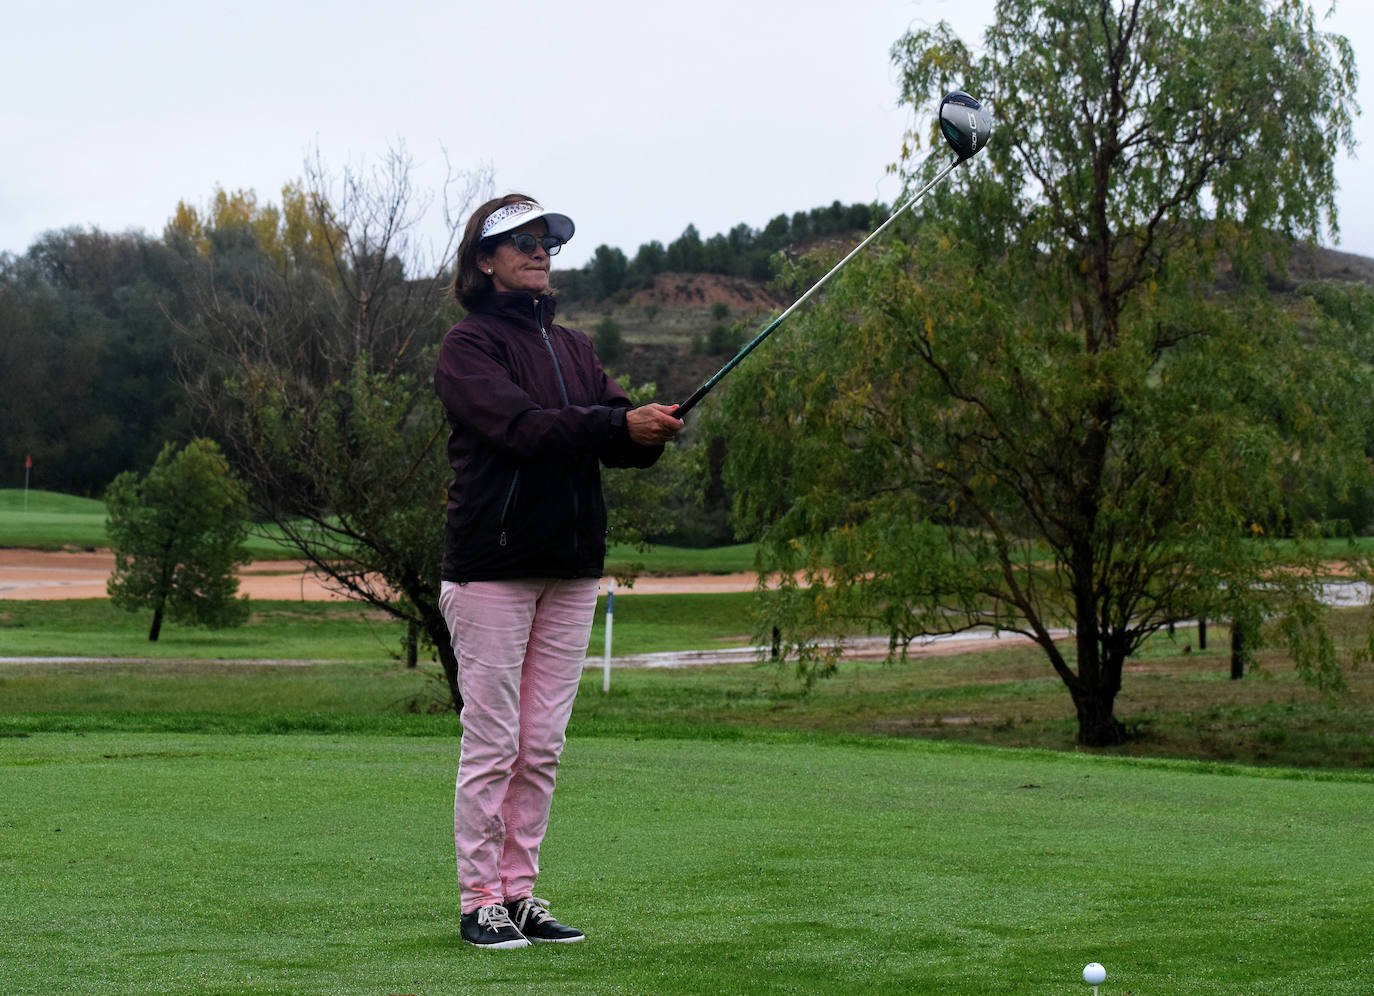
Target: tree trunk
(1237, 650)
(1097, 726)
(412, 644)
(1202, 633)
(157, 625)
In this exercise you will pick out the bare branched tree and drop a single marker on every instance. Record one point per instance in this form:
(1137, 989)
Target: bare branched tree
(309, 355)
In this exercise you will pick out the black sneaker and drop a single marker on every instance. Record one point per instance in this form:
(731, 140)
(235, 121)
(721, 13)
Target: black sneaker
(490, 927)
(533, 919)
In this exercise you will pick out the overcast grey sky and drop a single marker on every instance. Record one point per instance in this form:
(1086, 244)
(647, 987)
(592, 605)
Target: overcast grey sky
(634, 118)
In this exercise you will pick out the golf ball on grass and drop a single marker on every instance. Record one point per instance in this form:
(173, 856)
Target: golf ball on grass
(1094, 974)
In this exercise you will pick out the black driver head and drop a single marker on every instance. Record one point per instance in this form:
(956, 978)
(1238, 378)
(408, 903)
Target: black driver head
(964, 124)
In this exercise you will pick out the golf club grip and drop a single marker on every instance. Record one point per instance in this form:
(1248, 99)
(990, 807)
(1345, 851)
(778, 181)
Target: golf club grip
(691, 402)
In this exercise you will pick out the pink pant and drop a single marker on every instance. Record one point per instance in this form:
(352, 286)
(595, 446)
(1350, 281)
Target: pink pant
(520, 647)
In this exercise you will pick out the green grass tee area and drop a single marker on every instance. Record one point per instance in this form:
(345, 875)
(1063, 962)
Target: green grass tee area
(193, 863)
(268, 810)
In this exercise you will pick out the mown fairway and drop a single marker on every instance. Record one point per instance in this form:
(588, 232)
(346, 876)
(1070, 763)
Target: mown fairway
(300, 864)
(268, 810)
(48, 520)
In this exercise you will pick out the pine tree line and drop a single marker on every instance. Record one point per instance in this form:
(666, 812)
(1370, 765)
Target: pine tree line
(742, 252)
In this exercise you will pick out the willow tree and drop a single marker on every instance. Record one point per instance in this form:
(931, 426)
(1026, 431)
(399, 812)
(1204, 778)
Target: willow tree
(1067, 397)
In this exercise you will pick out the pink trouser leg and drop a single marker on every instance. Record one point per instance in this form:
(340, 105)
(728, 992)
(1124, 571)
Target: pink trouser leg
(520, 647)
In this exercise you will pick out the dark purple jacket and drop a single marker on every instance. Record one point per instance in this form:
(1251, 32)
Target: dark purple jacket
(531, 411)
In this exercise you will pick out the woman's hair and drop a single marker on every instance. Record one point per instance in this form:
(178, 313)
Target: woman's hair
(469, 283)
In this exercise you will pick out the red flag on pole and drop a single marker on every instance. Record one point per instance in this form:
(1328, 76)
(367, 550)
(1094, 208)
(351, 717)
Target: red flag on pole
(28, 461)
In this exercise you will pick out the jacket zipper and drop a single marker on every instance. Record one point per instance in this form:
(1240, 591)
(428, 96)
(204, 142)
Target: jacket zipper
(562, 389)
(505, 507)
(548, 343)
(515, 479)
(577, 517)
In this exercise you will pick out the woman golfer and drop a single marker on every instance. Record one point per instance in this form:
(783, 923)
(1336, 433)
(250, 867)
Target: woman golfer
(531, 414)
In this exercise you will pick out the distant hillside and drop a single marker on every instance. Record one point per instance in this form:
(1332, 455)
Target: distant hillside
(1315, 263)
(661, 325)
(677, 307)
(666, 329)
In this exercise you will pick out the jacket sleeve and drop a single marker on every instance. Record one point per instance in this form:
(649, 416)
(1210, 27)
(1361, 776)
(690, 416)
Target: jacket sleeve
(474, 384)
(622, 451)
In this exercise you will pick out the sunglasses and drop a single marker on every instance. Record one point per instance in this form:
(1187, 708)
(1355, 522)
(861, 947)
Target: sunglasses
(525, 243)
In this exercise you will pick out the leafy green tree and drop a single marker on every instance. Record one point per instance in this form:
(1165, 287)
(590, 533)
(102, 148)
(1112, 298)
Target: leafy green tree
(650, 260)
(776, 233)
(742, 239)
(686, 253)
(1068, 398)
(87, 379)
(1349, 307)
(177, 534)
(610, 346)
(718, 256)
(319, 378)
(608, 270)
(310, 352)
(724, 338)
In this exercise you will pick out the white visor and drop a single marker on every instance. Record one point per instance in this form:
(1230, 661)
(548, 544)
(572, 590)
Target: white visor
(512, 216)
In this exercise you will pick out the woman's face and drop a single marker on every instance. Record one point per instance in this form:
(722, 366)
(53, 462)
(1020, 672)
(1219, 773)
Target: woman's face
(511, 270)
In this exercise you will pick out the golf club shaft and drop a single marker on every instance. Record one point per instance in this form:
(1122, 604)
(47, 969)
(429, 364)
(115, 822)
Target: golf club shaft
(705, 388)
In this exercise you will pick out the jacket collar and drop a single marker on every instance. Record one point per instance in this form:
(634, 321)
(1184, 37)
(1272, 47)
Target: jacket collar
(518, 307)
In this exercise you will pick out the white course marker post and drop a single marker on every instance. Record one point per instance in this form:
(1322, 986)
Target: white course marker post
(610, 618)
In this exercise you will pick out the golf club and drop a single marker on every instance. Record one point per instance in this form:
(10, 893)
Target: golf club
(965, 125)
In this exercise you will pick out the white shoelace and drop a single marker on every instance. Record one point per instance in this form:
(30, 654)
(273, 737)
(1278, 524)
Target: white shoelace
(532, 907)
(494, 916)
